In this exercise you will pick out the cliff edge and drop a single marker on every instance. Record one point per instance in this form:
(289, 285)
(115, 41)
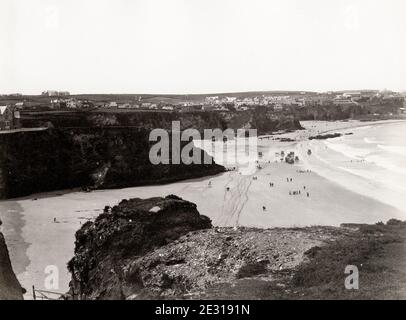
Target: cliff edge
(131, 229)
(10, 288)
(91, 158)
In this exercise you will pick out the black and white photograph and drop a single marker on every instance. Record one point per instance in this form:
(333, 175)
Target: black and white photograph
(201, 150)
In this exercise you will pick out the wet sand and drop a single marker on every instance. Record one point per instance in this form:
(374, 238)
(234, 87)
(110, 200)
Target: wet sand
(12, 218)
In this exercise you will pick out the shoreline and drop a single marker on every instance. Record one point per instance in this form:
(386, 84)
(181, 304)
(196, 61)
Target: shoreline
(356, 124)
(43, 242)
(12, 217)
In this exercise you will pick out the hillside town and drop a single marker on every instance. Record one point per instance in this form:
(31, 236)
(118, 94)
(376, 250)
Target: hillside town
(378, 103)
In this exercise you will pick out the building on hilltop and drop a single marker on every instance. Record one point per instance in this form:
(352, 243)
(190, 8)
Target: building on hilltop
(9, 118)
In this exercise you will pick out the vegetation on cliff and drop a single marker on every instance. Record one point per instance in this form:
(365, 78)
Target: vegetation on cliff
(259, 118)
(55, 159)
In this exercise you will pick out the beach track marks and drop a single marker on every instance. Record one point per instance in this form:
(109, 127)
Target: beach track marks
(234, 200)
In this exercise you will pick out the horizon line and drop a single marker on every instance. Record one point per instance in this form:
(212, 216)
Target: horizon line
(203, 93)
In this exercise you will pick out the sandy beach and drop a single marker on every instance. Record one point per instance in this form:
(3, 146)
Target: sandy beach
(230, 199)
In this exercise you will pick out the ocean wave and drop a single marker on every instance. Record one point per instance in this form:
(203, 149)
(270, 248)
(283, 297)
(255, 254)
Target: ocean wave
(365, 127)
(371, 141)
(393, 149)
(348, 151)
(386, 164)
(375, 177)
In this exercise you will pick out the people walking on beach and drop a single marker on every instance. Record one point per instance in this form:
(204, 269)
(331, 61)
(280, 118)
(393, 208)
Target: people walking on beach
(308, 194)
(295, 193)
(263, 208)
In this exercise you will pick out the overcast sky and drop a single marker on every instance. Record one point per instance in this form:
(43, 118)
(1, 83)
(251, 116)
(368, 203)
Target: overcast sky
(201, 46)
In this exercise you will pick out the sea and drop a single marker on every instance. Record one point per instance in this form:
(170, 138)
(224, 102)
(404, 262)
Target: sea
(369, 159)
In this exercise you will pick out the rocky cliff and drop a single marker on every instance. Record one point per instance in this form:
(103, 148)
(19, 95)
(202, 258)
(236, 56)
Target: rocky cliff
(133, 228)
(108, 149)
(97, 157)
(10, 288)
(331, 112)
(163, 248)
(260, 118)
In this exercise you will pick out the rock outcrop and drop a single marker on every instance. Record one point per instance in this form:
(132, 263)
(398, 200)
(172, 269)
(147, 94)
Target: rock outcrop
(10, 288)
(202, 262)
(162, 247)
(325, 136)
(119, 235)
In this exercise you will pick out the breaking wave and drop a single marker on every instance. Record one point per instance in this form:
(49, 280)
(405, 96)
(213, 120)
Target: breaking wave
(386, 164)
(346, 150)
(393, 149)
(371, 140)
